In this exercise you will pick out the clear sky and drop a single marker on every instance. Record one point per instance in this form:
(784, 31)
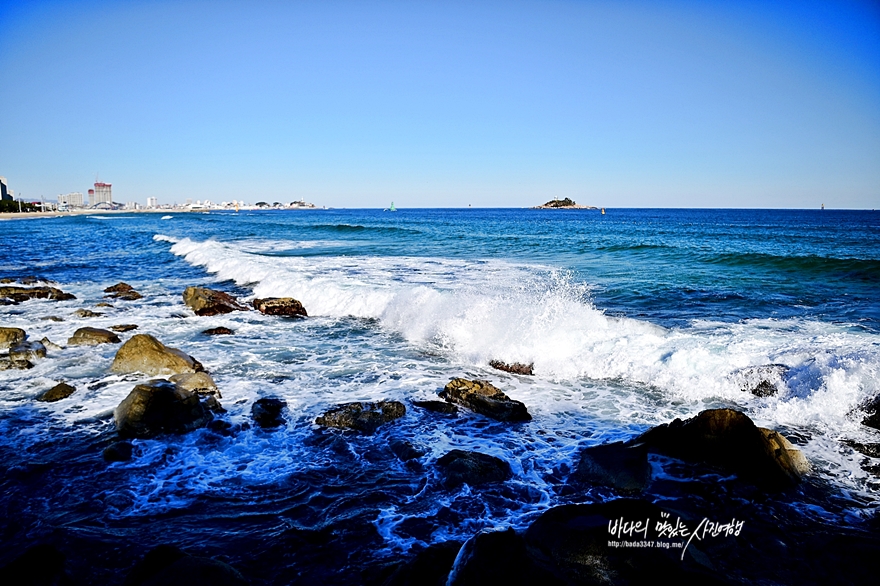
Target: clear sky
(445, 104)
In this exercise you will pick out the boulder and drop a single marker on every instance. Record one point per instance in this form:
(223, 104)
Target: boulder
(729, 440)
(122, 291)
(197, 382)
(167, 565)
(25, 293)
(428, 567)
(124, 328)
(474, 468)
(52, 318)
(762, 381)
(481, 397)
(158, 407)
(872, 413)
(437, 407)
(92, 337)
(56, 393)
(363, 417)
(27, 351)
(618, 465)
(7, 364)
(267, 412)
(103, 304)
(221, 331)
(204, 301)
(119, 288)
(86, 313)
(118, 452)
(144, 353)
(404, 450)
(515, 368)
(10, 337)
(50, 345)
(497, 557)
(287, 306)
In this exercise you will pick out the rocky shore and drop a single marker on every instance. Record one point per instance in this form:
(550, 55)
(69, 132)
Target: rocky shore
(710, 499)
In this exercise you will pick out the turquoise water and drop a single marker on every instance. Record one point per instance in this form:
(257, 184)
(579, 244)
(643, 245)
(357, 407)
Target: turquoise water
(631, 319)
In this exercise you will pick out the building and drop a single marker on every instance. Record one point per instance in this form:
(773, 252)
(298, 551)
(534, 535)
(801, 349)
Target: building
(101, 193)
(132, 205)
(71, 200)
(4, 194)
(152, 202)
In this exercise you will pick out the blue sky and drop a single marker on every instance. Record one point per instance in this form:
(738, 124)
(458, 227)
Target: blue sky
(445, 104)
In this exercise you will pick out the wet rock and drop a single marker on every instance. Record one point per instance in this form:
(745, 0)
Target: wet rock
(144, 353)
(56, 393)
(762, 381)
(92, 337)
(428, 567)
(473, 468)
(158, 407)
(10, 337)
(86, 313)
(124, 328)
(40, 565)
(515, 368)
(50, 345)
(267, 412)
(52, 318)
(287, 306)
(118, 452)
(872, 450)
(197, 382)
(481, 397)
(167, 565)
(24, 293)
(221, 331)
(729, 440)
(779, 445)
(7, 364)
(618, 465)
(437, 407)
(103, 304)
(27, 351)
(122, 291)
(363, 417)
(119, 288)
(204, 301)
(872, 413)
(497, 557)
(404, 450)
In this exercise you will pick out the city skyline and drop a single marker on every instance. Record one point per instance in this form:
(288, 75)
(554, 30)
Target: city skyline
(489, 104)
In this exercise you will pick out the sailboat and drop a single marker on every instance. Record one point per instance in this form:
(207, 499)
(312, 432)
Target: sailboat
(391, 209)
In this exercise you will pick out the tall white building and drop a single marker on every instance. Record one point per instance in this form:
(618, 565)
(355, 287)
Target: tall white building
(102, 194)
(152, 202)
(71, 200)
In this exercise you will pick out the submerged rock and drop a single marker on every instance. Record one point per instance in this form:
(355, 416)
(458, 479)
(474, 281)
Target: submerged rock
(10, 337)
(515, 368)
(618, 465)
(872, 413)
(27, 351)
(363, 417)
(762, 381)
(221, 331)
(25, 293)
(204, 301)
(481, 397)
(7, 364)
(86, 313)
(287, 306)
(474, 468)
(92, 337)
(144, 353)
(267, 412)
(124, 328)
(50, 345)
(119, 288)
(729, 440)
(56, 393)
(158, 407)
(118, 452)
(437, 407)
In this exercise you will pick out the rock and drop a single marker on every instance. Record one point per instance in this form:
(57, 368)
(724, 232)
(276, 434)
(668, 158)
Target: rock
(779, 444)
(144, 353)
(618, 465)
(437, 407)
(122, 291)
(24, 293)
(872, 413)
(762, 381)
(119, 288)
(473, 468)
(515, 368)
(40, 565)
(287, 306)
(7, 364)
(363, 417)
(167, 565)
(157, 407)
(92, 337)
(10, 337)
(204, 301)
(103, 304)
(872, 449)
(27, 351)
(124, 328)
(267, 412)
(50, 345)
(729, 440)
(481, 397)
(128, 296)
(404, 450)
(221, 331)
(56, 393)
(118, 452)
(52, 318)
(197, 382)
(86, 313)
(497, 557)
(429, 567)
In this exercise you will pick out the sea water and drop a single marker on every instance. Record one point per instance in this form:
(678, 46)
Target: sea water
(631, 319)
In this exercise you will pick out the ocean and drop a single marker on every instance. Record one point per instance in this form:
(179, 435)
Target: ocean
(630, 320)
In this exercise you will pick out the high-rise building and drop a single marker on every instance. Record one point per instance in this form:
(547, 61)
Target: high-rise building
(71, 200)
(152, 202)
(102, 194)
(4, 194)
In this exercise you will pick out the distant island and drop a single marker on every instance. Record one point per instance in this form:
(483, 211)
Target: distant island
(566, 203)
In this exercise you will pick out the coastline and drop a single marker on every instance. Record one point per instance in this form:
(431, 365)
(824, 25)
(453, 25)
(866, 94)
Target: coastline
(37, 215)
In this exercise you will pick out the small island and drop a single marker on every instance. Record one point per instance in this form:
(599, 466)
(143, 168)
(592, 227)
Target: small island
(568, 204)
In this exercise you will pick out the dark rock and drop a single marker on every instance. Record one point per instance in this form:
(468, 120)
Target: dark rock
(118, 452)
(23, 293)
(481, 397)
(872, 450)
(204, 301)
(762, 381)
(144, 353)
(437, 407)
(92, 337)
(52, 318)
(872, 413)
(56, 393)
(497, 557)
(618, 465)
(363, 417)
(128, 296)
(124, 328)
(515, 368)
(221, 331)
(429, 567)
(7, 364)
(729, 440)
(122, 291)
(404, 450)
(86, 313)
(157, 407)
(167, 565)
(27, 351)
(473, 468)
(40, 565)
(10, 337)
(267, 412)
(287, 306)
(103, 304)
(119, 288)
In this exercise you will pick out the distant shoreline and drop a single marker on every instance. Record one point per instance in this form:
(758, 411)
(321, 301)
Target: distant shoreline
(36, 215)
